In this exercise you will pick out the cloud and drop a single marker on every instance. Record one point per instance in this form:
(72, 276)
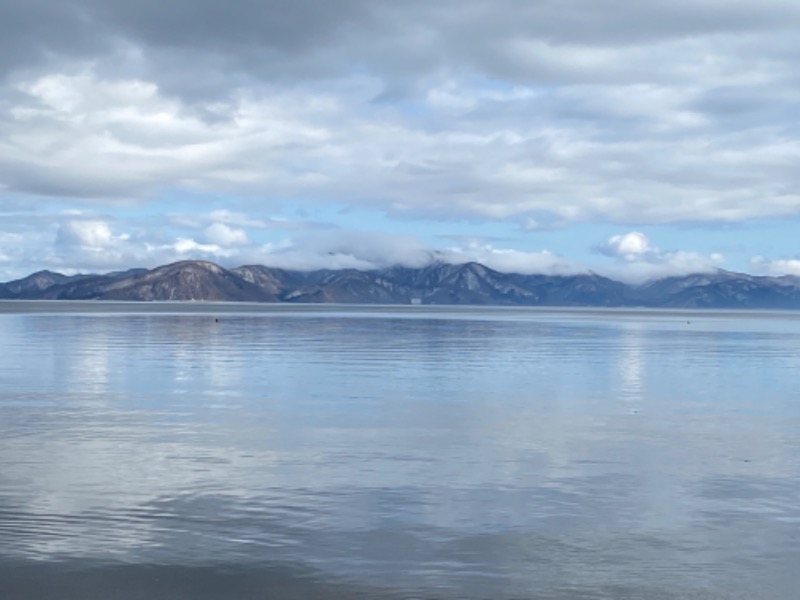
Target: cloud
(109, 140)
(538, 113)
(313, 39)
(368, 251)
(508, 260)
(185, 247)
(82, 137)
(222, 235)
(198, 220)
(90, 243)
(89, 235)
(535, 116)
(346, 249)
(777, 267)
(638, 260)
(11, 245)
(630, 247)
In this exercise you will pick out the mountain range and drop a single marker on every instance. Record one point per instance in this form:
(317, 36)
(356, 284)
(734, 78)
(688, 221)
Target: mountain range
(466, 284)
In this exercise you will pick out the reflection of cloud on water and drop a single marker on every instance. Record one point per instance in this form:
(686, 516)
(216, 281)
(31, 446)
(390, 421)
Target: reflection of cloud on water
(429, 452)
(63, 360)
(87, 373)
(192, 349)
(632, 365)
(97, 497)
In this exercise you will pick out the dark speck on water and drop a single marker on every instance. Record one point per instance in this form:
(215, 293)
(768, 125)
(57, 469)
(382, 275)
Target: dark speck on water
(439, 453)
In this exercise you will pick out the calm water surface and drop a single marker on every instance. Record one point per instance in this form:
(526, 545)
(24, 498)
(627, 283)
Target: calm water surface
(240, 451)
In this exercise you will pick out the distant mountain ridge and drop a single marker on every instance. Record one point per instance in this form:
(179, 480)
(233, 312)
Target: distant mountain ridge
(466, 284)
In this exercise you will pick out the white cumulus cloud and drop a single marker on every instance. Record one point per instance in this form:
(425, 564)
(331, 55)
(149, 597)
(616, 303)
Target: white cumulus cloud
(95, 235)
(631, 246)
(223, 235)
(638, 260)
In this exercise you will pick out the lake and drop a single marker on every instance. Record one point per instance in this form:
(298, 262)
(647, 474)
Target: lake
(224, 451)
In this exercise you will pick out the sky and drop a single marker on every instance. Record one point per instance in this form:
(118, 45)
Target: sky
(632, 139)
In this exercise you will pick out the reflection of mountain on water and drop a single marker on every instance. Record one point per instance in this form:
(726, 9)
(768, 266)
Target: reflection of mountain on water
(467, 284)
